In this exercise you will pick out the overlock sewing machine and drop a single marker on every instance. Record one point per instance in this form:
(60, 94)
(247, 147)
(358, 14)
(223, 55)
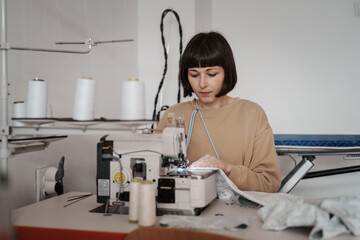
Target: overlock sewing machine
(156, 157)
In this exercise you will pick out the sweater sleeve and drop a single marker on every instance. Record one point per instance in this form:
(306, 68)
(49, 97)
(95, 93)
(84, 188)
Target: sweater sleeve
(161, 124)
(261, 172)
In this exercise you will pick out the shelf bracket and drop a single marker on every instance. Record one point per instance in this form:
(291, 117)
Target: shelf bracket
(33, 148)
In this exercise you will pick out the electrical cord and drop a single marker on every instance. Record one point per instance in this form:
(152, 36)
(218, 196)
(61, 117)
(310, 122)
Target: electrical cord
(126, 153)
(117, 159)
(156, 116)
(163, 108)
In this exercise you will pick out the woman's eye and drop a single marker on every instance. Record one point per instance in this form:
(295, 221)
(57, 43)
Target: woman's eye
(212, 74)
(193, 75)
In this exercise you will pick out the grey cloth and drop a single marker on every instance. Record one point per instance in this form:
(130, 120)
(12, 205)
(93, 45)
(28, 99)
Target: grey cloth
(330, 218)
(330, 227)
(285, 213)
(203, 223)
(346, 208)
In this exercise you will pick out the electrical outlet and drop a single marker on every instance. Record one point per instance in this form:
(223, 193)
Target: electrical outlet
(40, 183)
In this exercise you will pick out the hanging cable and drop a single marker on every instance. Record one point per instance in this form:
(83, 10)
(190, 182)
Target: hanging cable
(156, 116)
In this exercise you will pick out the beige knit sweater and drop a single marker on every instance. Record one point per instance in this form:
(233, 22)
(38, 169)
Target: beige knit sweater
(242, 137)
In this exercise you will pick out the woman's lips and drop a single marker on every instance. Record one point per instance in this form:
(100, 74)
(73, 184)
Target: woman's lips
(205, 94)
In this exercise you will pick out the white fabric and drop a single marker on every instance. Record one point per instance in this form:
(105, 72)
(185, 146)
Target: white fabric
(226, 189)
(347, 208)
(329, 218)
(282, 214)
(299, 213)
(327, 229)
(203, 223)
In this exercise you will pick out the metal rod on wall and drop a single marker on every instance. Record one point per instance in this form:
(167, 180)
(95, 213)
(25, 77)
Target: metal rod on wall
(4, 125)
(52, 50)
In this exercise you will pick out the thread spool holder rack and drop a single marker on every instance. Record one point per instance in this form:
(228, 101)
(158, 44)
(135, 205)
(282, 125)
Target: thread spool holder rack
(6, 131)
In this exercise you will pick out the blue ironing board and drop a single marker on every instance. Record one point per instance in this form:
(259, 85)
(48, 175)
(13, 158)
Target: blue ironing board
(322, 140)
(309, 146)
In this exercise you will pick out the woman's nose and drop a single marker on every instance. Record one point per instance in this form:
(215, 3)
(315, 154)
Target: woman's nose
(203, 82)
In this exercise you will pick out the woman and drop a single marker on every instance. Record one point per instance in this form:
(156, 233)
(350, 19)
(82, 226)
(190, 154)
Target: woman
(232, 134)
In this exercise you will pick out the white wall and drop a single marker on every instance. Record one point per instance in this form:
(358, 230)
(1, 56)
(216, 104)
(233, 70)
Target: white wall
(297, 59)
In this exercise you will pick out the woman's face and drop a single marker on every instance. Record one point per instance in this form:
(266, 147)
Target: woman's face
(206, 83)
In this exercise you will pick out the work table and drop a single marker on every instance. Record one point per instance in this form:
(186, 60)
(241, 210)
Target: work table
(50, 218)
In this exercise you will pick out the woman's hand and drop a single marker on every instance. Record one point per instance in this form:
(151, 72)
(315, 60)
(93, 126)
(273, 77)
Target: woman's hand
(212, 161)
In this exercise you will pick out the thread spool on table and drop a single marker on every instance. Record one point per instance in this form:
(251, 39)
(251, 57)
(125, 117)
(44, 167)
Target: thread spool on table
(147, 204)
(134, 200)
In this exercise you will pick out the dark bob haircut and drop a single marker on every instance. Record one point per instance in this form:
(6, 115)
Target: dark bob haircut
(208, 49)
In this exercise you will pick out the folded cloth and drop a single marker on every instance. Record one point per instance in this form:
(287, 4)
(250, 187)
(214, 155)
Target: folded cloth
(203, 223)
(347, 208)
(329, 218)
(302, 213)
(288, 213)
(327, 229)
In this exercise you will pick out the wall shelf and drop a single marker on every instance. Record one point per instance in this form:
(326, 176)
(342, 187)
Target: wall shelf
(25, 144)
(68, 126)
(36, 134)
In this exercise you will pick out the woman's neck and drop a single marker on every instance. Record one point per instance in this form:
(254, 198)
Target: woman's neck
(217, 103)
